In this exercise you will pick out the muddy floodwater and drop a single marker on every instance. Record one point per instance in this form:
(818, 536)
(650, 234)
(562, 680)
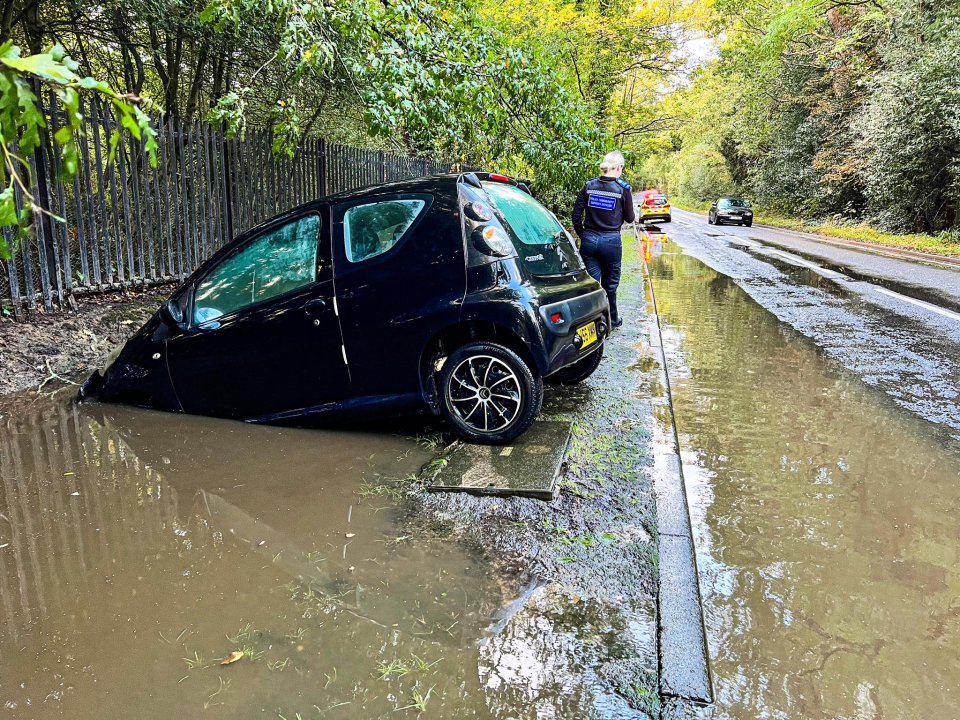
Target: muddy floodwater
(826, 516)
(138, 550)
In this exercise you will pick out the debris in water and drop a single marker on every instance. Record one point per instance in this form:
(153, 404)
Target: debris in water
(350, 535)
(232, 657)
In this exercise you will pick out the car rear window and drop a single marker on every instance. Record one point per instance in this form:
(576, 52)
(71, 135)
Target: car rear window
(542, 243)
(372, 229)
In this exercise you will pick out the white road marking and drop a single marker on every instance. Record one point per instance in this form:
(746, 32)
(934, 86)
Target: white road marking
(835, 275)
(813, 266)
(736, 240)
(919, 303)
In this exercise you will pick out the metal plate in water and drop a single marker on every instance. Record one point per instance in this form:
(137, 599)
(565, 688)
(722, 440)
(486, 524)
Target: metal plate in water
(530, 467)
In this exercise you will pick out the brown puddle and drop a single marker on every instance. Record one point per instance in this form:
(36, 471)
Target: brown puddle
(138, 549)
(826, 518)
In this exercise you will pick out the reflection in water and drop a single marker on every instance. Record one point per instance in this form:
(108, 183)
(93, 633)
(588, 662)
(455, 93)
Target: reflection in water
(137, 549)
(551, 646)
(827, 540)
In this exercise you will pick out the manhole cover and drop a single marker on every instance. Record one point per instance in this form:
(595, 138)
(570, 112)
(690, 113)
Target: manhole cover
(530, 466)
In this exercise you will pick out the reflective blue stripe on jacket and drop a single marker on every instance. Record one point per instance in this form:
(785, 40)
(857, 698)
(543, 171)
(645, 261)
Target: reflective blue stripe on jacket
(603, 205)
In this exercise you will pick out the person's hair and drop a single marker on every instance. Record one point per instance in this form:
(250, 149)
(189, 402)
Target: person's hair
(611, 160)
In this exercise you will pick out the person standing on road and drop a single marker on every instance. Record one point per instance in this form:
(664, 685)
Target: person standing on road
(603, 205)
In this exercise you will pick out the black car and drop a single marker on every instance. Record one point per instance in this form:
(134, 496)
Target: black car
(730, 209)
(460, 292)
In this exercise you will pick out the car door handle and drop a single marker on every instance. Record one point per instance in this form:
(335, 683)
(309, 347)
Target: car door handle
(313, 307)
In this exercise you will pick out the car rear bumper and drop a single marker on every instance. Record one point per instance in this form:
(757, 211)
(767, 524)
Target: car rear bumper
(562, 322)
(662, 217)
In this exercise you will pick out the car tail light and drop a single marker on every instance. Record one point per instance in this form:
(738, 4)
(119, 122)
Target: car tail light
(491, 240)
(500, 178)
(556, 318)
(478, 211)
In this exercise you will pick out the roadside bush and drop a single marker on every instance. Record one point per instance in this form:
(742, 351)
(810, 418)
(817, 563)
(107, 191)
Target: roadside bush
(910, 130)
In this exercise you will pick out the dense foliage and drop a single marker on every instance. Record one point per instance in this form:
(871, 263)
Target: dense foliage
(22, 123)
(816, 108)
(540, 88)
(840, 109)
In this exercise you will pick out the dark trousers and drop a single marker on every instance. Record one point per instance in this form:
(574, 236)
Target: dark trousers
(602, 254)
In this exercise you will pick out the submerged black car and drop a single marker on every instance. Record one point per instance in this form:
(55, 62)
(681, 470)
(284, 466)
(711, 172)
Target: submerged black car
(460, 292)
(732, 210)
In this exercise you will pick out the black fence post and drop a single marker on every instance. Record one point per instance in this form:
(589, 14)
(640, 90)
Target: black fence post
(226, 185)
(322, 165)
(47, 245)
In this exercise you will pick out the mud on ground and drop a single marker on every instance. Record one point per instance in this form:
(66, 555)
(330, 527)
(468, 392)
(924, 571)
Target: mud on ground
(52, 349)
(585, 564)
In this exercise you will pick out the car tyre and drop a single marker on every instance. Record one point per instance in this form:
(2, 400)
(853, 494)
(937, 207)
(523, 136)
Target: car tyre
(749, 223)
(488, 393)
(709, 219)
(579, 371)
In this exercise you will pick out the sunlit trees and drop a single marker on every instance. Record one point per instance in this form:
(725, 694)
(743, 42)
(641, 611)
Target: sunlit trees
(829, 108)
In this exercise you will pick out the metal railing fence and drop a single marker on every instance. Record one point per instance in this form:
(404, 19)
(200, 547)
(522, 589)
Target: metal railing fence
(127, 224)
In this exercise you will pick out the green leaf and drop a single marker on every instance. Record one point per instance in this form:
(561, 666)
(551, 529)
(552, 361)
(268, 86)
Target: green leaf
(8, 207)
(9, 50)
(63, 135)
(41, 65)
(114, 144)
(88, 83)
(125, 113)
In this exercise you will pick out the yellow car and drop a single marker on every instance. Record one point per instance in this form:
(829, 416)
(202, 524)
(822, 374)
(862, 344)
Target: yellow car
(653, 207)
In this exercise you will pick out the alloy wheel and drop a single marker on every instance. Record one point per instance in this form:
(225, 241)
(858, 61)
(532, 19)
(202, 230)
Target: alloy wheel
(485, 393)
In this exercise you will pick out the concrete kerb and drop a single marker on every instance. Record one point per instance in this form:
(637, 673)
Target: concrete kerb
(686, 685)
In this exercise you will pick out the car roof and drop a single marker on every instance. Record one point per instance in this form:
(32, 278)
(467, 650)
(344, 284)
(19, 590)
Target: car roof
(427, 183)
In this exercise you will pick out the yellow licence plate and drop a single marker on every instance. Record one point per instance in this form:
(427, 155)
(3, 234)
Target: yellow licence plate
(588, 333)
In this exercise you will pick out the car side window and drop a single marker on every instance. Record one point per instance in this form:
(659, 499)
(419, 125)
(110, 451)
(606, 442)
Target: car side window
(373, 228)
(279, 261)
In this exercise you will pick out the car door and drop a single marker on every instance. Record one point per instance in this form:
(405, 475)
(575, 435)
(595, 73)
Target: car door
(262, 335)
(400, 278)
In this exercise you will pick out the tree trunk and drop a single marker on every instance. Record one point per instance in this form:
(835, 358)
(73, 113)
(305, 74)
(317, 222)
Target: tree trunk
(32, 27)
(196, 83)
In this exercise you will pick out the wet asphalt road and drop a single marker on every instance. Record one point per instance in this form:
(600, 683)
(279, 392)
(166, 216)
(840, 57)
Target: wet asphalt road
(938, 282)
(890, 321)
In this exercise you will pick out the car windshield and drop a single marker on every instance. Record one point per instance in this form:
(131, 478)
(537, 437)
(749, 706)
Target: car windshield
(541, 241)
(735, 202)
